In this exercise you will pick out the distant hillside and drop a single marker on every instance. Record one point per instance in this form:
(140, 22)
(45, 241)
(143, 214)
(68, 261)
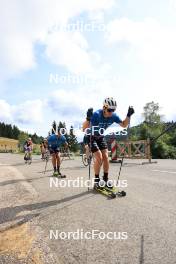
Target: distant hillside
(13, 132)
(7, 144)
(13, 145)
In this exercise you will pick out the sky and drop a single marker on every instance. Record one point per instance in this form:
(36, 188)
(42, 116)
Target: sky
(58, 58)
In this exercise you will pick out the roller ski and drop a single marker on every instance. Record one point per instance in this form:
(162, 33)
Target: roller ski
(58, 175)
(27, 159)
(99, 186)
(115, 191)
(103, 191)
(108, 190)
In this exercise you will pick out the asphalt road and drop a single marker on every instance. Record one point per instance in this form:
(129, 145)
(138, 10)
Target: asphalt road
(147, 215)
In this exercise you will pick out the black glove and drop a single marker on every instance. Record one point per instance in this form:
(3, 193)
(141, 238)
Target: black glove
(89, 114)
(130, 111)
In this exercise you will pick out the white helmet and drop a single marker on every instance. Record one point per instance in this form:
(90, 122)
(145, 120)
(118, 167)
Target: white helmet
(110, 103)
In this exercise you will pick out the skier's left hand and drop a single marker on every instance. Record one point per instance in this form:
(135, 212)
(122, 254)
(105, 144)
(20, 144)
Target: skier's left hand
(89, 114)
(130, 111)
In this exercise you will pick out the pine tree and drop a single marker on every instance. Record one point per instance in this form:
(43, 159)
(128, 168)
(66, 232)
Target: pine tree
(16, 132)
(54, 127)
(72, 140)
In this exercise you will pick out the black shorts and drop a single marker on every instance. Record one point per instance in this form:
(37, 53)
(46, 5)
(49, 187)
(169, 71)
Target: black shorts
(86, 140)
(54, 150)
(98, 143)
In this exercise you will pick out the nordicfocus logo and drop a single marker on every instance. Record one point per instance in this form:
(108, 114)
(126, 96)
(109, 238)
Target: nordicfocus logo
(97, 130)
(82, 183)
(80, 234)
(79, 26)
(77, 79)
(94, 131)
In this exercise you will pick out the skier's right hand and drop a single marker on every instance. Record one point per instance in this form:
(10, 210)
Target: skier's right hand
(130, 111)
(89, 114)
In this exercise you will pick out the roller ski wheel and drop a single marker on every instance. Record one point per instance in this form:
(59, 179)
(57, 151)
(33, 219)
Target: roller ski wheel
(112, 195)
(96, 186)
(114, 191)
(109, 185)
(55, 174)
(104, 191)
(121, 194)
(60, 175)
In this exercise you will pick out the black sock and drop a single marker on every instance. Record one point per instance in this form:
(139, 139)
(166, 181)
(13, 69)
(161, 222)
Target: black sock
(55, 168)
(58, 168)
(105, 177)
(97, 178)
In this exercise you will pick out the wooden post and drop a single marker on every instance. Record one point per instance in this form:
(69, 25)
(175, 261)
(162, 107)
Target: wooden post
(129, 150)
(148, 150)
(114, 150)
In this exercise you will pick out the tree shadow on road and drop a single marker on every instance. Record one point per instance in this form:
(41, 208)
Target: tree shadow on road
(75, 167)
(128, 164)
(141, 257)
(8, 214)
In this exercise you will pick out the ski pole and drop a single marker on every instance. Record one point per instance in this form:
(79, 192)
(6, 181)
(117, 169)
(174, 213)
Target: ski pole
(120, 167)
(123, 155)
(152, 141)
(165, 131)
(89, 160)
(156, 138)
(63, 153)
(47, 159)
(62, 158)
(46, 165)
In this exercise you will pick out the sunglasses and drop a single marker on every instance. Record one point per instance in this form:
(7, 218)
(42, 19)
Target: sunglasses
(110, 110)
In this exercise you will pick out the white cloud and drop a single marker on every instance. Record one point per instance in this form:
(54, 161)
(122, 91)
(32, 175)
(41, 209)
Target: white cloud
(150, 59)
(74, 102)
(150, 43)
(5, 112)
(150, 48)
(29, 112)
(69, 49)
(16, 58)
(97, 16)
(172, 4)
(70, 105)
(24, 23)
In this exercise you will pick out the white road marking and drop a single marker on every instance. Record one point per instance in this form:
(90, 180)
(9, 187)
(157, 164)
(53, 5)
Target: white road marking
(4, 164)
(172, 172)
